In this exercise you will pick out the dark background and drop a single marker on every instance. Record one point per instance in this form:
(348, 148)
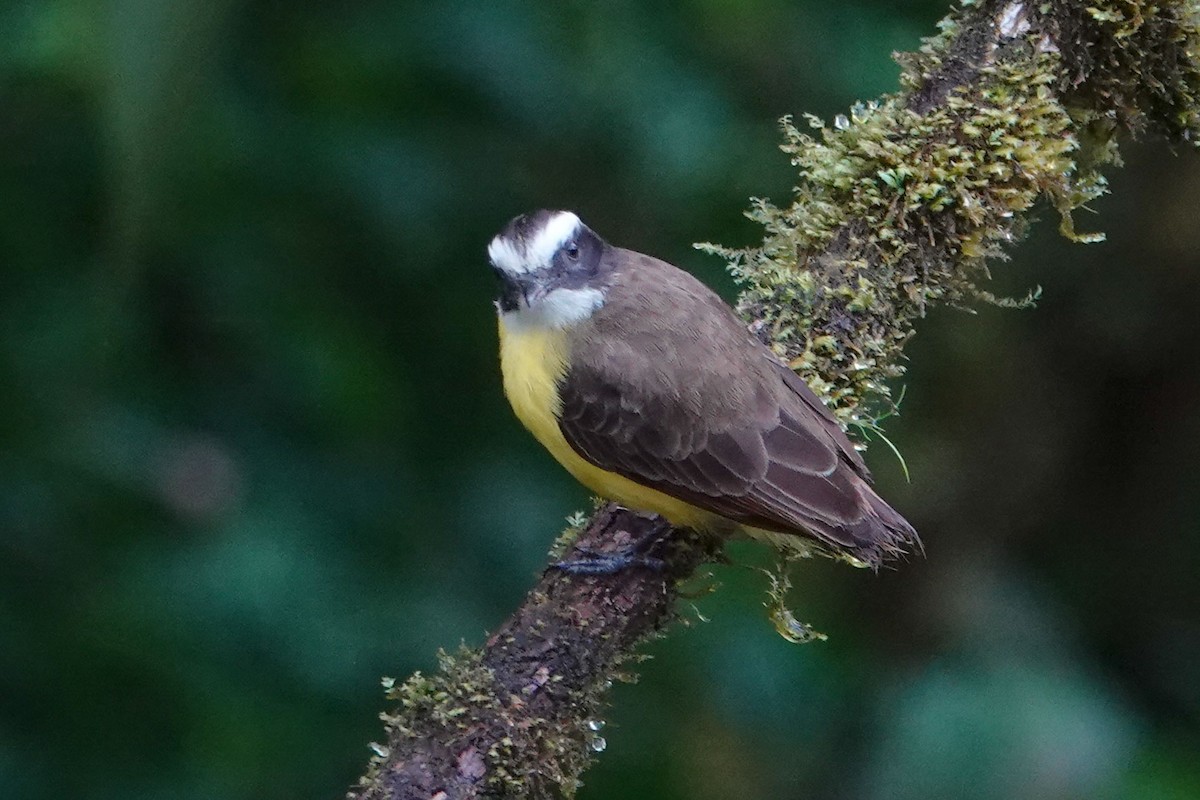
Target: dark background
(254, 452)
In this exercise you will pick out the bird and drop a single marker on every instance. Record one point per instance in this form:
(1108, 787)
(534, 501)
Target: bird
(647, 387)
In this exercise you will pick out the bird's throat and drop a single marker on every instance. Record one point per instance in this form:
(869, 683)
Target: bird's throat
(533, 360)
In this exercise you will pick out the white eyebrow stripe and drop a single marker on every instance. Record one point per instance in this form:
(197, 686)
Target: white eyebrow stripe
(505, 257)
(557, 230)
(535, 254)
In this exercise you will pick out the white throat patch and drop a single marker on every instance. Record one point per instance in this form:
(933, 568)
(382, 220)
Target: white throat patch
(560, 308)
(521, 258)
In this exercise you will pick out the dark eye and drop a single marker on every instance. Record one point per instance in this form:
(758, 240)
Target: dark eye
(572, 251)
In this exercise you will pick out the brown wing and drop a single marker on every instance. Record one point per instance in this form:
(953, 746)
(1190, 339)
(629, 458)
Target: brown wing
(742, 436)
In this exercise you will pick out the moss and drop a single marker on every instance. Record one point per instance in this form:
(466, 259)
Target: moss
(779, 585)
(898, 210)
(902, 201)
(1133, 63)
(576, 523)
(520, 755)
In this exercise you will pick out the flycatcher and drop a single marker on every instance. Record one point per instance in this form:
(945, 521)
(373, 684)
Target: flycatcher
(646, 386)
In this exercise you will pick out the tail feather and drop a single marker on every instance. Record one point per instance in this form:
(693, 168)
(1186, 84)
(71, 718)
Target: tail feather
(878, 536)
(882, 534)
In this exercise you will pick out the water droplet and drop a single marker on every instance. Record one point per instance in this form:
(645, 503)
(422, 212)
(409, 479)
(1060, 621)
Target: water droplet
(595, 725)
(380, 750)
(841, 122)
(598, 744)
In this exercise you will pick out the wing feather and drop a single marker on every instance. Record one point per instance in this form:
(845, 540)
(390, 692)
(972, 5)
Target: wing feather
(779, 476)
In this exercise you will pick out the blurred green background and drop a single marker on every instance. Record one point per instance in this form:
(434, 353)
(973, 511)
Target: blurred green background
(254, 452)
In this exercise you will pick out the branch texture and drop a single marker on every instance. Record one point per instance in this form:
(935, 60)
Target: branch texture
(899, 206)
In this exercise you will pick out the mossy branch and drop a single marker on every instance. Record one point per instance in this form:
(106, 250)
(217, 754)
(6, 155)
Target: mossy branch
(900, 205)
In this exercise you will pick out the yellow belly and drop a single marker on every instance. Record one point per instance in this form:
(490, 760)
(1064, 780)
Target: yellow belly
(532, 362)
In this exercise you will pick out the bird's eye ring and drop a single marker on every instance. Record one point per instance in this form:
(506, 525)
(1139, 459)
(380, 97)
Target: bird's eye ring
(572, 251)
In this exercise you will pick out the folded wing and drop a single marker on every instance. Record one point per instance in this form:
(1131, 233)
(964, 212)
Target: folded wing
(768, 456)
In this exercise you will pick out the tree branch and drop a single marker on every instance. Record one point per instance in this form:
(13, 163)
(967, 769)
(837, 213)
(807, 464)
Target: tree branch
(899, 206)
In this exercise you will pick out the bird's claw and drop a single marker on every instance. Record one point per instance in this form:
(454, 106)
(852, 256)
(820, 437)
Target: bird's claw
(595, 562)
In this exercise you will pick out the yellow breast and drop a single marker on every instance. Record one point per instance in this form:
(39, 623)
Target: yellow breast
(533, 361)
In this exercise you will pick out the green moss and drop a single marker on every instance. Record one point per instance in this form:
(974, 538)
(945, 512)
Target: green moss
(462, 703)
(901, 202)
(576, 523)
(897, 210)
(781, 616)
(1134, 63)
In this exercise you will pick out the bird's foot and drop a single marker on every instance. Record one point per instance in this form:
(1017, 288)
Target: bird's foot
(598, 562)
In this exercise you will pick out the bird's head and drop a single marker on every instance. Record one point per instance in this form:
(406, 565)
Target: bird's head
(550, 268)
